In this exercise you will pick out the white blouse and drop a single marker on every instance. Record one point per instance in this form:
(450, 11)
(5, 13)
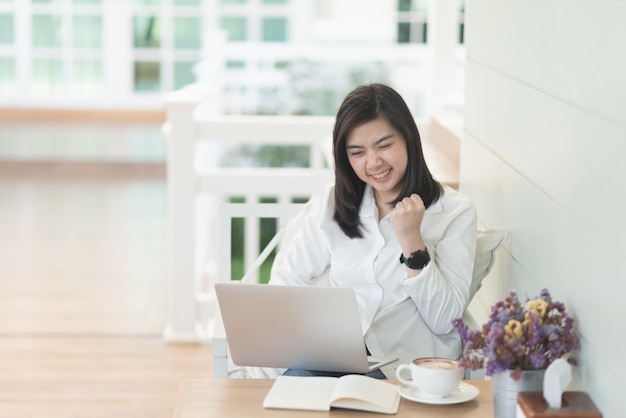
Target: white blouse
(403, 316)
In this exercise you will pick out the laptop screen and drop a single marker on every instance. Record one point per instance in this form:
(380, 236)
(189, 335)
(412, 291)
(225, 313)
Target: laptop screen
(314, 328)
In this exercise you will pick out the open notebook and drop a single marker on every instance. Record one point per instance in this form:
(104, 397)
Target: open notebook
(304, 327)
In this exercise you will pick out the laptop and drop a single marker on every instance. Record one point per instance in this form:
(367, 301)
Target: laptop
(299, 327)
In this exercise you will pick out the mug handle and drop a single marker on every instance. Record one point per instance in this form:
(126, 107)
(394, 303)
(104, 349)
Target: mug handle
(399, 370)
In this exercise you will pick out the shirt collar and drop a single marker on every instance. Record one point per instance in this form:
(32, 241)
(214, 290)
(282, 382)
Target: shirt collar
(368, 204)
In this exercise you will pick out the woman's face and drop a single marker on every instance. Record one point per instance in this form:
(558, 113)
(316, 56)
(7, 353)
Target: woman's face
(377, 153)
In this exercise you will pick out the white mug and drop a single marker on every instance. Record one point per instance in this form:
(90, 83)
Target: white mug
(432, 376)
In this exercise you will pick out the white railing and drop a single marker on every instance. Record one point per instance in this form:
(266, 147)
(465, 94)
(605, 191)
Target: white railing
(197, 186)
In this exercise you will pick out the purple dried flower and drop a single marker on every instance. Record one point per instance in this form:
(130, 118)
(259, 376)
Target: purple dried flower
(519, 336)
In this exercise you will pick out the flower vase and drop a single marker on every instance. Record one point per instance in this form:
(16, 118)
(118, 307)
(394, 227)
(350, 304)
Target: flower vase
(505, 390)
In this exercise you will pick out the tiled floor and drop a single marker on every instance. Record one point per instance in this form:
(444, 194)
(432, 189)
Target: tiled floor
(82, 281)
(82, 256)
(82, 300)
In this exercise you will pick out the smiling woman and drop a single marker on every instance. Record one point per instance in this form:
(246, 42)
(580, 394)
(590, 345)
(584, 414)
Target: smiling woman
(380, 107)
(377, 228)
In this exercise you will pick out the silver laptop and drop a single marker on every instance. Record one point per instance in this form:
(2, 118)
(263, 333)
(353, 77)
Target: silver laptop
(303, 327)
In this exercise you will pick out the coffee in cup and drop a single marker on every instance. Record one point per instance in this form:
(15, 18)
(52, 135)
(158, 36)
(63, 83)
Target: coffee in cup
(432, 376)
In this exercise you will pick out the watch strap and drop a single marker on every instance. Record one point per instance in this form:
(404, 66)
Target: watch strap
(417, 260)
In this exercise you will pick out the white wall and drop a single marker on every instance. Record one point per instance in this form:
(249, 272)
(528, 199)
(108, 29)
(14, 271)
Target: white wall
(543, 154)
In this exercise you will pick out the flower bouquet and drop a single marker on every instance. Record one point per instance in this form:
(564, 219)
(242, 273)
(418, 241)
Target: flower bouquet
(519, 336)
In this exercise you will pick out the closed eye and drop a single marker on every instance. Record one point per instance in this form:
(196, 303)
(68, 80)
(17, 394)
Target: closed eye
(355, 151)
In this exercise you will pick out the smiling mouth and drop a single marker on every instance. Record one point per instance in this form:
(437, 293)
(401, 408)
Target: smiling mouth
(381, 175)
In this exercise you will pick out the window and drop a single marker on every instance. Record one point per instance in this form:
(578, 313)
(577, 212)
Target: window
(7, 74)
(235, 27)
(87, 32)
(7, 35)
(70, 43)
(412, 26)
(47, 77)
(235, 64)
(274, 29)
(46, 31)
(404, 5)
(404, 32)
(167, 44)
(67, 59)
(147, 32)
(282, 65)
(87, 77)
(462, 23)
(187, 32)
(147, 76)
(256, 20)
(183, 73)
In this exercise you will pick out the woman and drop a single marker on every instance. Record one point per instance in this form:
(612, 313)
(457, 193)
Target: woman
(387, 229)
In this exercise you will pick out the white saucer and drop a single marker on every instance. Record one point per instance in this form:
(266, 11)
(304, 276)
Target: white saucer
(465, 392)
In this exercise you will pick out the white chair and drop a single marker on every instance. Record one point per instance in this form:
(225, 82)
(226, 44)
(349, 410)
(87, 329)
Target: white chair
(488, 241)
(228, 211)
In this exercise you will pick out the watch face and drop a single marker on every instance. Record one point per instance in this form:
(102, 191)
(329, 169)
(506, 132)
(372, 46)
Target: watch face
(418, 259)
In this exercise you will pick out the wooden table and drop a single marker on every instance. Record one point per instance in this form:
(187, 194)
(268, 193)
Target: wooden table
(208, 398)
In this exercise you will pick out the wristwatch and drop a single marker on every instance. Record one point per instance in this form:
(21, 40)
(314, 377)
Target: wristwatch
(417, 260)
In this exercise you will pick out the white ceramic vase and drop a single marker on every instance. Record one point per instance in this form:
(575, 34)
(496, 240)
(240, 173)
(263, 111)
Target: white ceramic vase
(505, 390)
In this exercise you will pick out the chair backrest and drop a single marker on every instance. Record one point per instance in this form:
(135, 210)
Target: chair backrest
(250, 212)
(488, 241)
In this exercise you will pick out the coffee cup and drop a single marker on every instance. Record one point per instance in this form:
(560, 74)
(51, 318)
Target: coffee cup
(433, 376)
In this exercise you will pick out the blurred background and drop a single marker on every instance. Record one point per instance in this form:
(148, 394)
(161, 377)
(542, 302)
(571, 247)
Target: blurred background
(87, 89)
(85, 292)
(259, 56)
(88, 63)
(82, 82)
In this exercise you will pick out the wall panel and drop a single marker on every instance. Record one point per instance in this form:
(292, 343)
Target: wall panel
(571, 49)
(548, 247)
(542, 154)
(562, 150)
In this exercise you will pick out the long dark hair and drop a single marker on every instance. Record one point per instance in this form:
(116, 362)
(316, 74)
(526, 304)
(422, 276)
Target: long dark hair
(364, 104)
